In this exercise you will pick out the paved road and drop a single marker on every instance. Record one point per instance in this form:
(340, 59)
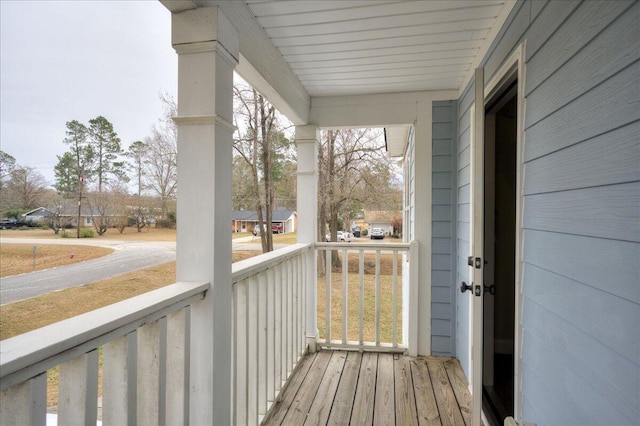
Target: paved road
(128, 256)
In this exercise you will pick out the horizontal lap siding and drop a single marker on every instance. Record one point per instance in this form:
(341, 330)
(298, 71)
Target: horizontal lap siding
(581, 308)
(581, 292)
(442, 279)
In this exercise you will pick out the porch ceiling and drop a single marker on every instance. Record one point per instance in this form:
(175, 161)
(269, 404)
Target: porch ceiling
(298, 51)
(360, 47)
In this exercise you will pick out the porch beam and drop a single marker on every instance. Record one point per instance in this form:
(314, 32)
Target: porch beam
(307, 142)
(377, 110)
(208, 50)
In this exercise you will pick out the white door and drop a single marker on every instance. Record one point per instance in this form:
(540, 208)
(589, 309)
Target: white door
(477, 247)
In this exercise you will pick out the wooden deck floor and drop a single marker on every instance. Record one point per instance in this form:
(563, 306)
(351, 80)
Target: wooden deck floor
(349, 388)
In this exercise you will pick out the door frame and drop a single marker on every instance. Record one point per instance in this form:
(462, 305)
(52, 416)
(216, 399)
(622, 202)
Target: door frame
(512, 68)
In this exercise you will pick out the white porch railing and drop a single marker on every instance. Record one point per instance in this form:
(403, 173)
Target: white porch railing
(384, 322)
(138, 338)
(268, 334)
(145, 341)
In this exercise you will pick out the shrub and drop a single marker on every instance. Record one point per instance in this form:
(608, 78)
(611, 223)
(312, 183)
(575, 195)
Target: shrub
(168, 222)
(164, 223)
(14, 214)
(365, 232)
(86, 233)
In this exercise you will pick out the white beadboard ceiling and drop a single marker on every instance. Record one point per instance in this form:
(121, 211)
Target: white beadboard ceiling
(350, 47)
(297, 50)
(357, 47)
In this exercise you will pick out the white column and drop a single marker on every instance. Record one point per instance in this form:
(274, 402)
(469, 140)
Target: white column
(307, 139)
(423, 201)
(207, 45)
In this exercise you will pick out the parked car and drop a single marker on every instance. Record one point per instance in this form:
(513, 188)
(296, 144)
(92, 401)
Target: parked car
(376, 234)
(11, 223)
(277, 228)
(357, 232)
(341, 236)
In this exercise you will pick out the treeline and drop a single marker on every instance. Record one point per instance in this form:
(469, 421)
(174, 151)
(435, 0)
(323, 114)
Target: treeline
(96, 177)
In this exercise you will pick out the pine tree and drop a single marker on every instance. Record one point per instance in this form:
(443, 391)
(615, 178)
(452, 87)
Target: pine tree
(106, 146)
(75, 165)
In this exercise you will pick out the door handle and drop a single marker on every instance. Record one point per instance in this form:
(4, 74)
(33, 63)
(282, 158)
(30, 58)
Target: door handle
(464, 287)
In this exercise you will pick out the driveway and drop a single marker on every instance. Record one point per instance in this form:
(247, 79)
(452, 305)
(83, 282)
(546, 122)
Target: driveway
(128, 256)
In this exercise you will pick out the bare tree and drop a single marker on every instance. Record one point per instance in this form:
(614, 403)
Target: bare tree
(27, 188)
(353, 171)
(259, 144)
(58, 218)
(161, 158)
(286, 183)
(108, 209)
(137, 154)
(101, 207)
(242, 191)
(7, 165)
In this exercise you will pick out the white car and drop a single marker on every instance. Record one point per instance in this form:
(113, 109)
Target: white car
(341, 236)
(377, 233)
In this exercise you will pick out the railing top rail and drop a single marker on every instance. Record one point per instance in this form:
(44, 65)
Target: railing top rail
(254, 265)
(56, 343)
(366, 246)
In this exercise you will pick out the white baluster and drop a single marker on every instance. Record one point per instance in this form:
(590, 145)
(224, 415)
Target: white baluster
(377, 298)
(176, 386)
(25, 403)
(115, 383)
(78, 390)
(394, 301)
(271, 336)
(148, 373)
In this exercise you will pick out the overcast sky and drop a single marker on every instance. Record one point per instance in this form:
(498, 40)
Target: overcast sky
(76, 60)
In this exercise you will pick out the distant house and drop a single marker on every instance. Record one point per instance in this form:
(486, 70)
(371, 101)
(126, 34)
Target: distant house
(282, 221)
(69, 216)
(37, 216)
(381, 219)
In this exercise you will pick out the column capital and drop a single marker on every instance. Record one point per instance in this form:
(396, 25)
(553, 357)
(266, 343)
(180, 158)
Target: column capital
(307, 133)
(198, 120)
(204, 29)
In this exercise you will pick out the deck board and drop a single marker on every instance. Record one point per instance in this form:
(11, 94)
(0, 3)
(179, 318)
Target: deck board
(301, 404)
(349, 388)
(363, 403)
(427, 407)
(343, 402)
(447, 404)
(279, 410)
(406, 412)
(460, 389)
(321, 409)
(384, 407)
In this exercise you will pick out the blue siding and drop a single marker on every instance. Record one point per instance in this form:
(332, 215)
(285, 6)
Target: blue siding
(443, 222)
(581, 291)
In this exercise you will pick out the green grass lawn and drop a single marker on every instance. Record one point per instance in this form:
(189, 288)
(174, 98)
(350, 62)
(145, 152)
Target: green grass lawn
(353, 307)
